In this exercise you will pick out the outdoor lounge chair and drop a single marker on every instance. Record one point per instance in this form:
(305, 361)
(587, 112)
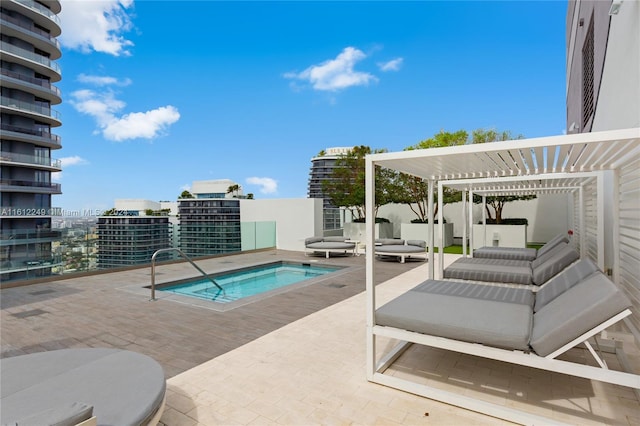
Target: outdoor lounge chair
(514, 325)
(519, 253)
(401, 249)
(535, 272)
(328, 245)
(85, 386)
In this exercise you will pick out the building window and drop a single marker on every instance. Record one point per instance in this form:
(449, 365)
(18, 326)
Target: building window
(587, 77)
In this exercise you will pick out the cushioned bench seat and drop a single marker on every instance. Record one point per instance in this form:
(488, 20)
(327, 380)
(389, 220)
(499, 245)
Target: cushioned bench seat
(572, 304)
(329, 245)
(509, 253)
(536, 272)
(495, 316)
(519, 253)
(122, 387)
(400, 248)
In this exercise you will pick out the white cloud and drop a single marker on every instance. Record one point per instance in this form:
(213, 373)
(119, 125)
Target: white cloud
(104, 108)
(90, 25)
(392, 65)
(268, 185)
(65, 162)
(103, 80)
(336, 74)
(145, 125)
(185, 187)
(72, 161)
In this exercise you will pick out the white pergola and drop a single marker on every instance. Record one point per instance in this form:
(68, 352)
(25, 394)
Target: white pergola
(600, 171)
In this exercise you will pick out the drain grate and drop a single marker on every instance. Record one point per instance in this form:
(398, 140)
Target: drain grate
(40, 292)
(31, 313)
(336, 285)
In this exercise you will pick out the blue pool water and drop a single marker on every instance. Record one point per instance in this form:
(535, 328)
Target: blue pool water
(248, 282)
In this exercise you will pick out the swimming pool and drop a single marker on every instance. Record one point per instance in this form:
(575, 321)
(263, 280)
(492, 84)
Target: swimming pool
(248, 282)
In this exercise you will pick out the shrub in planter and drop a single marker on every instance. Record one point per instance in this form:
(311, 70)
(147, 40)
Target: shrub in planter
(378, 220)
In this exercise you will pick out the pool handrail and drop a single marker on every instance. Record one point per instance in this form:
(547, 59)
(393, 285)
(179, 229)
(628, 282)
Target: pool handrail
(153, 270)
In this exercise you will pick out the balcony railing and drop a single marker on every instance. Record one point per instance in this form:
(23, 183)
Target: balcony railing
(32, 56)
(40, 9)
(33, 80)
(45, 134)
(30, 159)
(17, 236)
(43, 34)
(29, 211)
(30, 184)
(30, 107)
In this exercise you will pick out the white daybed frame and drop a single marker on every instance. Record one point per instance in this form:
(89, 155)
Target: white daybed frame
(568, 162)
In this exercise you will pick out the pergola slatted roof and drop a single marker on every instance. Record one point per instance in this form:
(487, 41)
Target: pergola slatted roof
(558, 154)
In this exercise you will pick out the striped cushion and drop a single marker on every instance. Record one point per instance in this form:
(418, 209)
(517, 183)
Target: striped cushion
(509, 253)
(484, 320)
(521, 296)
(490, 270)
(564, 281)
(558, 239)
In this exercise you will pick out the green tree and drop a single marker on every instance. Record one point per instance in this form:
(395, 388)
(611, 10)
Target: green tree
(250, 196)
(185, 194)
(413, 191)
(233, 190)
(346, 186)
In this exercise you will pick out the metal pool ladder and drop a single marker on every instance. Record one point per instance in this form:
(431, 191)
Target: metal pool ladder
(153, 270)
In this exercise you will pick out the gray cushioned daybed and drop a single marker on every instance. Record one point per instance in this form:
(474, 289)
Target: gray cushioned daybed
(536, 272)
(400, 249)
(328, 245)
(68, 386)
(518, 253)
(510, 318)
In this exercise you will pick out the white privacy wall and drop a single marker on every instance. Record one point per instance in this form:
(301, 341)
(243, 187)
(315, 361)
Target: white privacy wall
(548, 216)
(296, 218)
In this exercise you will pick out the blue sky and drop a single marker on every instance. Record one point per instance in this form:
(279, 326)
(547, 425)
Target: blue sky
(157, 94)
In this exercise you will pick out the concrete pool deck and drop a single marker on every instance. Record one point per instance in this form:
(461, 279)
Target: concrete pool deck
(297, 358)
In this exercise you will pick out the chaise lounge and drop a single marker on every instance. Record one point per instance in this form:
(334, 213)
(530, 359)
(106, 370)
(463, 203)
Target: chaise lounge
(514, 325)
(519, 253)
(328, 245)
(524, 272)
(401, 249)
(85, 386)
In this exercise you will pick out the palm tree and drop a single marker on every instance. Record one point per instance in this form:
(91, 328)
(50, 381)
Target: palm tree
(233, 189)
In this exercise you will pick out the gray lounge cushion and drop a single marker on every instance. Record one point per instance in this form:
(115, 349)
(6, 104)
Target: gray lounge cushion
(477, 320)
(576, 311)
(552, 262)
(522, 296)
(312, 240)
(558, 239)
(66, 415)
(124, 387)
(417, 243)
(510, 253)
(400, 249)
(564, 281)
(490, 270)
(329, 245)
(389, 241)
(335, 239)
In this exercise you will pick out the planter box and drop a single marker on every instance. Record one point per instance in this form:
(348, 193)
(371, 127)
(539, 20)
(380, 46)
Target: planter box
(500, 236)
(420, 231)
(357, 231)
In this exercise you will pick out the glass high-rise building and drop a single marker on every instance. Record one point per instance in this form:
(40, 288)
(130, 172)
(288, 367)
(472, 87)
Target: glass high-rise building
(127, 238)
(28, 52)
(322, 167)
